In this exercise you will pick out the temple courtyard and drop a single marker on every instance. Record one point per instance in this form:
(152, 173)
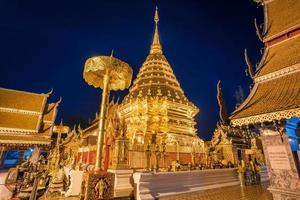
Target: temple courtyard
(257, 192)
(151, 134)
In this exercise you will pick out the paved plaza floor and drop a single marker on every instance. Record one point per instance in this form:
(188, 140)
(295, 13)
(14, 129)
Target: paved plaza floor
(254, 192)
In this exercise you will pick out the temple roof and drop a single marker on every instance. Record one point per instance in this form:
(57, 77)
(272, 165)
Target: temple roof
(25, 114)
(276, 91)
(156, 77)
(22, 100)
(281, 16)
(280, 56)
(270, 100)
(19, 121)
(12, 140)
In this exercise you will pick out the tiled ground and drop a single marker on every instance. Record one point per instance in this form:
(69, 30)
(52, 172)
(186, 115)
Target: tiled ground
(257, 192)
(226, 193)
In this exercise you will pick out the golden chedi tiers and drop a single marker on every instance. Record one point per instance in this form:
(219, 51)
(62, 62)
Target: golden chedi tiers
(157, 113)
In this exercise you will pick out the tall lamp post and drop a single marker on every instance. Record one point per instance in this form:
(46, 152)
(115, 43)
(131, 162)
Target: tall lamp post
(107, 73)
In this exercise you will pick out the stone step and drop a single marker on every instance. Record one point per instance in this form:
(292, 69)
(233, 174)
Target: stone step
(195, 182)
(155, 185)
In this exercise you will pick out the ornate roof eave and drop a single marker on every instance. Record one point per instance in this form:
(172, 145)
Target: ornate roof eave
(27, 140)
(266, 117)
(17, 131)
(279, 73)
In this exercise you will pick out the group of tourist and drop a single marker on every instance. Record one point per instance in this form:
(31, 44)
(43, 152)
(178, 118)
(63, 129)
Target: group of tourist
(177, 166)
(250, 171)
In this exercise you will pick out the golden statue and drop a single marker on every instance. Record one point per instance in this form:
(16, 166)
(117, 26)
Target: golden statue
(100, 188)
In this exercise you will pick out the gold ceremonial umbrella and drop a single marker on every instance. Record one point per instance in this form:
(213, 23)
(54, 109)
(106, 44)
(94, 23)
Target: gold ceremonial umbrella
(120, 73)
(108, 73)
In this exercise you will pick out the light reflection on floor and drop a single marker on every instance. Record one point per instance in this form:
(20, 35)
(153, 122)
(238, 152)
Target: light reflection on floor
(254, 192)
(257, 192)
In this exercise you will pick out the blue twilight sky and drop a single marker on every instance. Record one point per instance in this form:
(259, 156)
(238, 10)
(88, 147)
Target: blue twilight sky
(44, 44)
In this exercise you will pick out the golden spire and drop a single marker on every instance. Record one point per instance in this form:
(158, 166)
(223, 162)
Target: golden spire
(156, 47)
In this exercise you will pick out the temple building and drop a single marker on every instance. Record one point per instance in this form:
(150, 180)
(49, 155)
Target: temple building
(155, 116)
(87, 138)
(273, 105)
(26, 121)
(157, 113)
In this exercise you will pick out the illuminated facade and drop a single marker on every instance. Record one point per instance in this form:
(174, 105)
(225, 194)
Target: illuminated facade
(157, 114)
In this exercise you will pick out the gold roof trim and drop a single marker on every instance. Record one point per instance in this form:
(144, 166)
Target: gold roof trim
(270, 100)
(13, 110)
(288, 70)
(267, 117)
(17, 130)
(39, 140)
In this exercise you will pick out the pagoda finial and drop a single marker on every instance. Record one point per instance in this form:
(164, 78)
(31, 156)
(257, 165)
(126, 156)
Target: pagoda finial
(156, 47)
(156, 17)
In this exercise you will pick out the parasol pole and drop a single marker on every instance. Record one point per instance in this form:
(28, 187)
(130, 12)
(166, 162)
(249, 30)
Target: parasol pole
(102, 118)
(107, 73)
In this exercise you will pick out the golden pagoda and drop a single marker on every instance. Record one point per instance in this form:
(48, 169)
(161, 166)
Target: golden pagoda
(158, 116)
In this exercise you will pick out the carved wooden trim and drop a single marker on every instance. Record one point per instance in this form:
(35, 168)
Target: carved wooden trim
(267, 117)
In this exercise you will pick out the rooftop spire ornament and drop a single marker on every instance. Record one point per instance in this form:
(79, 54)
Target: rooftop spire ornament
(107, 73)
(156, 47)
